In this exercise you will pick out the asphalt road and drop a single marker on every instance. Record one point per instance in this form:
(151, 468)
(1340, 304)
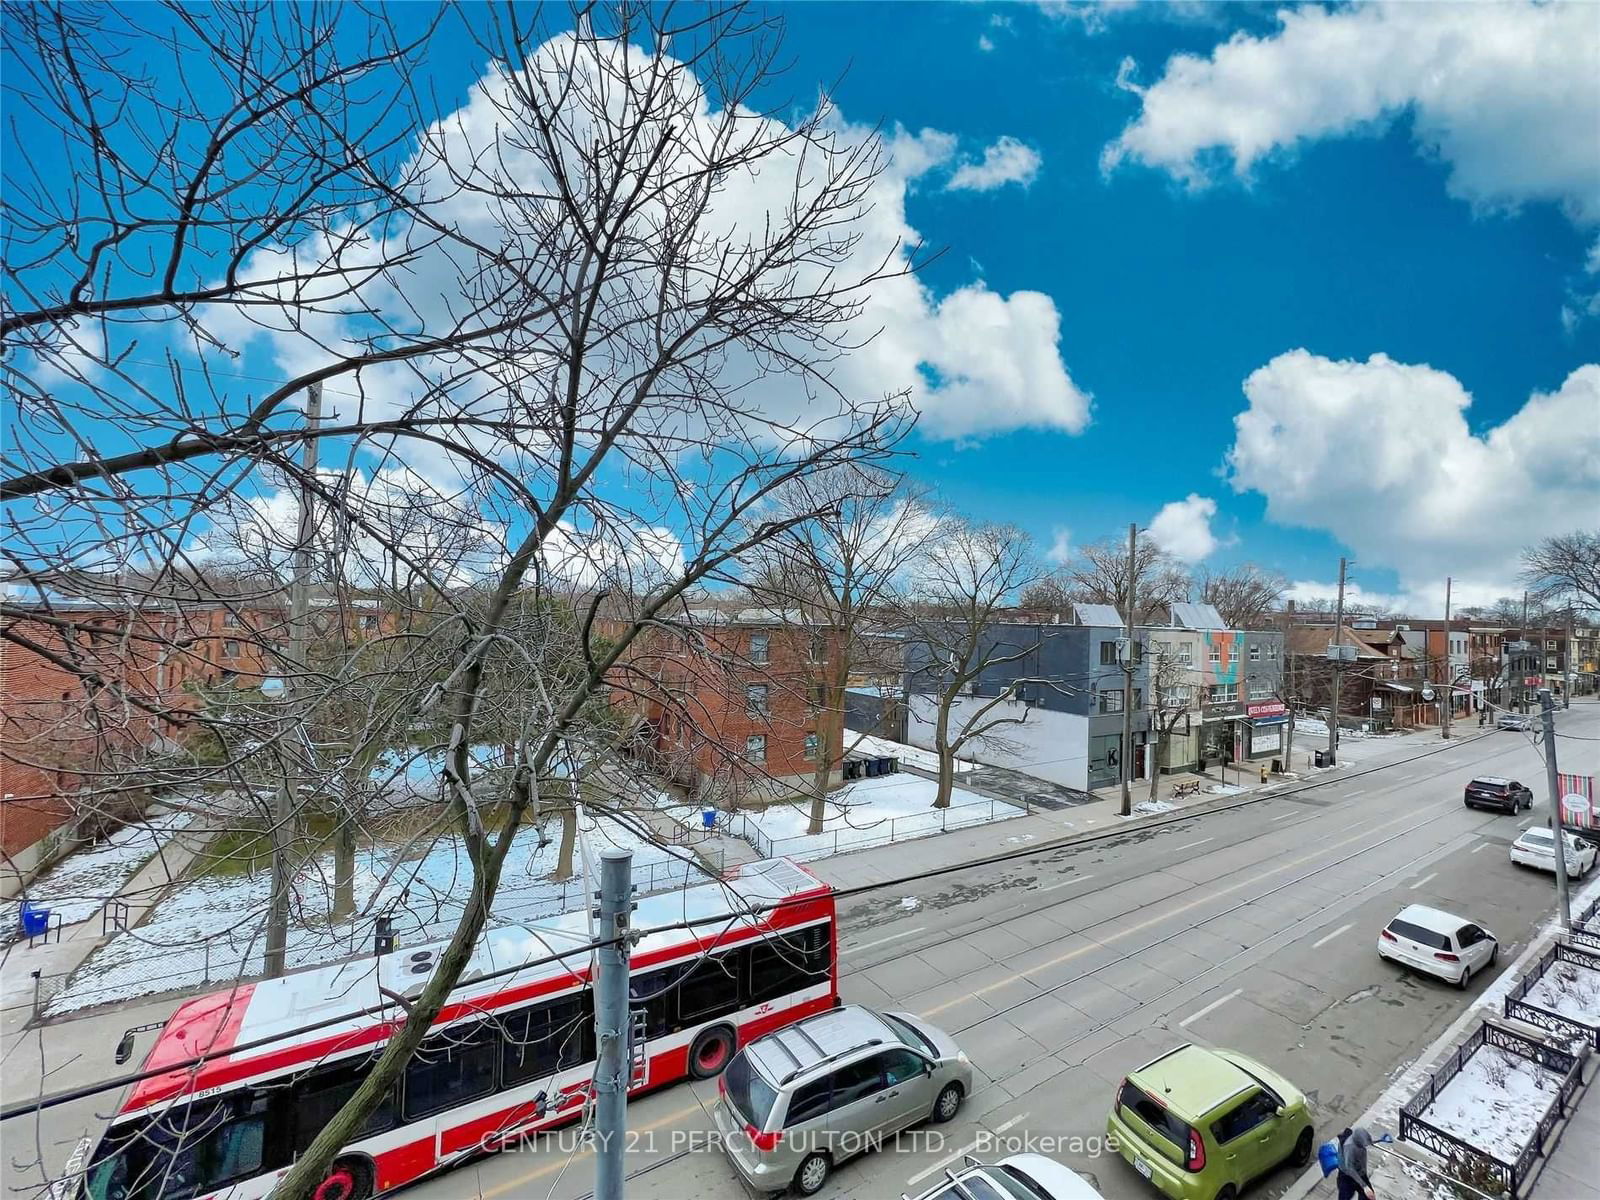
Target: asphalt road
(1253, 929)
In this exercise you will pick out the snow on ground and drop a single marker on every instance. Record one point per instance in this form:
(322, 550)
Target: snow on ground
(864, 745)
(79, 884)
(1153, 806)
(208, 930)
(1224, 789)
(1312, 727)
(870, 812)
(1568, 989)
(1495, 1102)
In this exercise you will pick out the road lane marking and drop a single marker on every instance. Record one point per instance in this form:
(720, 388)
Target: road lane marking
(1423, 880)
(1139, 927)
(1067, 882)
(1479, 846)
(1325, 940)
(1285, 816)
(1201, 842)
(1354, 794)
(950, 1158)
(893, 937)
(1215, 1004)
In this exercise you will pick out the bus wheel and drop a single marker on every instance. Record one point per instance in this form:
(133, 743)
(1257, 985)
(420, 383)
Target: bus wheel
(711, 1050)
(349, 1179)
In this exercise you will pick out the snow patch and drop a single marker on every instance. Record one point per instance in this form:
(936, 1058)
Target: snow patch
(1153, 806)
(910, 903)
(1495, 1102)
(1568, 989)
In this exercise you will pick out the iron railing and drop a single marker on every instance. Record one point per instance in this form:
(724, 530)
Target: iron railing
(1508, 1176)
(1519, 1006)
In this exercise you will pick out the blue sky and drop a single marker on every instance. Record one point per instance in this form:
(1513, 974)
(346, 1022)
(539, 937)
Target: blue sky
(1280, 283)
(1346, 245)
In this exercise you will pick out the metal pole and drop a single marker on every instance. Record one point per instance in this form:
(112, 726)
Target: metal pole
(1449, 668)
(1127, 671)
(1286, 685)
(1566, 661)
(1338, 672)
(277, 938)
(611, 1023)
(1553, 779)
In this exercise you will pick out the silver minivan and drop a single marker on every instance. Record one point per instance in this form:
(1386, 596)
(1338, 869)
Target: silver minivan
(796, 1103)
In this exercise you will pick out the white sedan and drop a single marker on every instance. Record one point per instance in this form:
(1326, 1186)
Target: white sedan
(1030, 1175)
(1537, 848)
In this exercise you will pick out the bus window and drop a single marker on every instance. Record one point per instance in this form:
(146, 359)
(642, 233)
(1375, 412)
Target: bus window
(786, 964)
(448, 1069)
(195, 1148)
(711, 988)
(547, 1038)
(655, 992)
(323, 1092)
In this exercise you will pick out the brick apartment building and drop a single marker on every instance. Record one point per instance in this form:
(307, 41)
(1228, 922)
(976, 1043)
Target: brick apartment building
(733, 707)
(87, 689)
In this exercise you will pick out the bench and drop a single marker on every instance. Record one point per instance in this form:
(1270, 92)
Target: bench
(1188, 787)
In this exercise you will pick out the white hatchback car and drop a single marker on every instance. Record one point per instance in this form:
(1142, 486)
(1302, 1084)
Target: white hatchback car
(1019, 1177)
(1438, 943)
(1537, 848)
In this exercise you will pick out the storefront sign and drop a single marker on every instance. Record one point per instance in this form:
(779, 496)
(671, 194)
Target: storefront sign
(1267, 708)
(1265, 722)
(1265, 741)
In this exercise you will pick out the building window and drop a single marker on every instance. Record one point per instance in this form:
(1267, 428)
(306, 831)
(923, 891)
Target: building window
(230, 618)
(1550, 644)
(1177, 696)
(1214, 654)
(812, 744)
(1138, 699)
(369, 622)
(1186, 653)
(1222, 693)
(230, 649)
(758, 649)
(1108, 654)
(819, 648)
(1111, 700)
(1272, 651)
(755, 749)
(1260, 691)
(755, 699)
(1255, 651)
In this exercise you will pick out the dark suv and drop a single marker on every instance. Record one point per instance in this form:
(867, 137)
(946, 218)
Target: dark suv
(1493, 792)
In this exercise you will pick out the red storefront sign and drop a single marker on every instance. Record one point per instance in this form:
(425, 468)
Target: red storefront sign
(1268, 708)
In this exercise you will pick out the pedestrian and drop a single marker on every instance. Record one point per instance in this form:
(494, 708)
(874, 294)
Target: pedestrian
(1354, 1181)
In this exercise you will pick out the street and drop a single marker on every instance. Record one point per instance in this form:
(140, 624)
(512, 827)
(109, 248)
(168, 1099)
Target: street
(1252, 929)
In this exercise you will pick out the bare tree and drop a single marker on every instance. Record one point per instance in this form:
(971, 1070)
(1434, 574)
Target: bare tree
(965, 581)
(1098, 574)
(1565, 568)
(1246, 596)
(1171, 700)
(833, 579)
(598, 306)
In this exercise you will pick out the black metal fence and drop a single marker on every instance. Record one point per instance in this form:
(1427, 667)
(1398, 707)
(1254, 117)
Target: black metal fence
(1508, 1176)
(1519, 1006)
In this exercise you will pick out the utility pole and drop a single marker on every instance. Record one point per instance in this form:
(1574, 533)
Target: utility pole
(1127, 671)
(283, 816)
(1553, 779)
(1449, 669)
(1286, 664)
(1522, 657)
(611, 1024)
(1566, 660)
(1338, 671)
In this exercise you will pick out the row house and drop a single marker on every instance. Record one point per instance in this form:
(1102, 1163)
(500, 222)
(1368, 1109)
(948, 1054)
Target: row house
(88, 689)
(734, 706)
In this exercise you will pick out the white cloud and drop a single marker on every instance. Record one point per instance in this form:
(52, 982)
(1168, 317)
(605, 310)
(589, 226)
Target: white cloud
(1007, 160)
(1060, 550)
(976, 361)
(1379, 454)
(1504, 94)
(1583, 299)
(985, 43)
(1183, 527)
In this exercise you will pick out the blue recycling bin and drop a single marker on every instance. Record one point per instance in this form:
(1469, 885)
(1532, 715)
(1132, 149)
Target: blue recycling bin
(708, 818)
(34, 920)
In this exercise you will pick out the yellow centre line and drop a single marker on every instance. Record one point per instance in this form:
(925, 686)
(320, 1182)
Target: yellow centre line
(1147, 923)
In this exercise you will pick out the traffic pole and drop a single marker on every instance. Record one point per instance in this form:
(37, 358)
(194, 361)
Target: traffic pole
(611, 1023)
(1552, 777)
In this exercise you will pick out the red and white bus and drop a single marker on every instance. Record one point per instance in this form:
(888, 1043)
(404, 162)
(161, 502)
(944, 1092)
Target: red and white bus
(510, 1055)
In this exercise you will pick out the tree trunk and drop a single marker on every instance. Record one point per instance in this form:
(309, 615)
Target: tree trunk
(1161, 752)
(947, 757)
(569, 839)
(344, 867)
(828, 717)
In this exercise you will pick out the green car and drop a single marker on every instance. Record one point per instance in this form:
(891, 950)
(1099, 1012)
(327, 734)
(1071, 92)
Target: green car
(1200, 1124)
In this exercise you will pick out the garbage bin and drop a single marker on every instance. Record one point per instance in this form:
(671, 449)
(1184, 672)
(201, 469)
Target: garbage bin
(708, 818)
(1277, 766)
(1318, 757)
(34, 920)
